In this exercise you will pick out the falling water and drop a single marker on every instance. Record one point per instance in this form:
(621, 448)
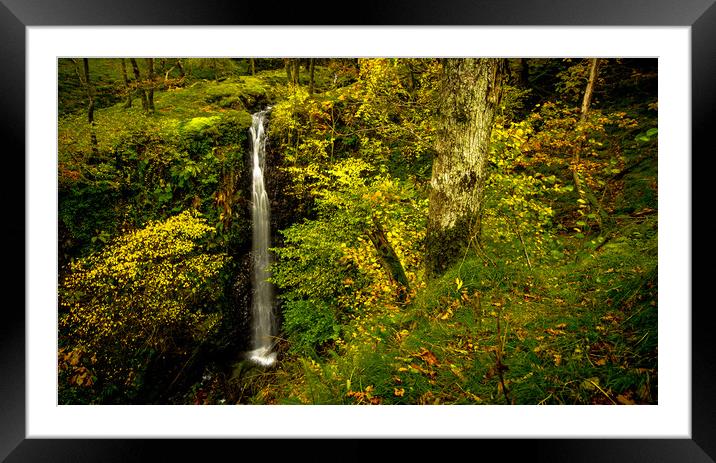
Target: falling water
(263, 325)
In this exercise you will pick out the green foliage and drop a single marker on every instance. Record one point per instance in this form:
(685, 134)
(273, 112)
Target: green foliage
(355, 153)
(383, 118)
(647, 136)
(573, 79)
(518, 204)
(199, 126)
(576, 309)
(330, 261)
(149, 167)
(105, 75)
(310, 324)
(579, 333)
(211, 68)
(148, 293)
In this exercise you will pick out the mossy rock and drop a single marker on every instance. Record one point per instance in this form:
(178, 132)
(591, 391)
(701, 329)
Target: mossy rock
(199, 125)
(233, 102)
(254, 102)
(241, 368)
(240, 119)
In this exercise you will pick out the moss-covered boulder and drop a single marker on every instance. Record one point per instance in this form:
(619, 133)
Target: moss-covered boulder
(198, 126)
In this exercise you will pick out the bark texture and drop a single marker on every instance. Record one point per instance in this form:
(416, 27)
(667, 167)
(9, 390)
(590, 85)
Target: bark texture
(89, 88)
(138, 80)
(295, 70)
(583, 189)
(128, 103)
(181, 68)
(312, 72)
(287, 67)
(389, 259)
(470, 93)
(150, 85)
(589, 91)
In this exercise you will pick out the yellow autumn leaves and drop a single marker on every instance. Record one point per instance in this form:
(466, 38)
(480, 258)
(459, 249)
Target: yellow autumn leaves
(140, 292)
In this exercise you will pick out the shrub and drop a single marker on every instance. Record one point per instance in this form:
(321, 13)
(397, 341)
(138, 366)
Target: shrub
(150, 292)
(310, 325)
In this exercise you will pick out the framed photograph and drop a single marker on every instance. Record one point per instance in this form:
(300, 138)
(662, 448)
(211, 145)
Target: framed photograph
(42, 39)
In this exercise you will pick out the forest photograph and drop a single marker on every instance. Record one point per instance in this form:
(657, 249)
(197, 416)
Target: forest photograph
(357, 231)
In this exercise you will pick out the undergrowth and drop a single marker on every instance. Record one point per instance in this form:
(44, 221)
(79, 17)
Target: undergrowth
(577, 331)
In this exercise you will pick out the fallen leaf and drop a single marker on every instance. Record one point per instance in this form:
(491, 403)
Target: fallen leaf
(552, 332)
(75, 357)
(624, 400)
(428, 357)
(456, 371)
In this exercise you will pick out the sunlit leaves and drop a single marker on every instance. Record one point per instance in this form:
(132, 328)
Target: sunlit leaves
(330, 261)
(145, 291)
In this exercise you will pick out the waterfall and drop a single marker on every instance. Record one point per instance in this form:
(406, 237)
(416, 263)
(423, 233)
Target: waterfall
(263, 323)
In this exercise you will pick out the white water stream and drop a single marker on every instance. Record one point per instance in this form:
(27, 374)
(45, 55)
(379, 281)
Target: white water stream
(263, 320)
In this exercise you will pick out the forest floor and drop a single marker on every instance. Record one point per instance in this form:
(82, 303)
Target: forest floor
(583, 332)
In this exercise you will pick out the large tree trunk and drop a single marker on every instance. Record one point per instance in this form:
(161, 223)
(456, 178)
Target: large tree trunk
(252, 65)
(470, 92)
(150, 89)
(140, 88)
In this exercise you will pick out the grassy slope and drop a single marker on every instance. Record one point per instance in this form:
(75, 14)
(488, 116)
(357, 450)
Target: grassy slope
(571, 333)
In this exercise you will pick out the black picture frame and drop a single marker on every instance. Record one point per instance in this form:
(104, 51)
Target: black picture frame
(16, 15)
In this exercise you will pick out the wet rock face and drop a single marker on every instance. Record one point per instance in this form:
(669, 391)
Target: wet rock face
(285, 209)
(241, 300)
(254, 102)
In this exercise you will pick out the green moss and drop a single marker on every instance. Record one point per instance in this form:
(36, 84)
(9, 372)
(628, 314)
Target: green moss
(242, 119)
(199, 124)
